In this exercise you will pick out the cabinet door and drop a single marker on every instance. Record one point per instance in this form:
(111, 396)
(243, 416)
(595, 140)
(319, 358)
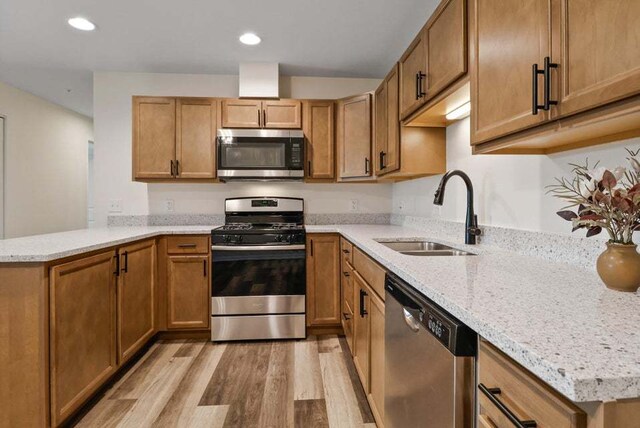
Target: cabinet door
(596, 49)
(376, 349)
(392, 153)
(83, 331)
(154, 137)
(136, 297)
(380, 127)
(446, 36)
(241, 113)
(323, 280)
(189, 292)
(347, 303)
(282, 114)
(361, 330)
(318, 129)
(354, 122)
(503, 54)
(196, 138)
(412, 71)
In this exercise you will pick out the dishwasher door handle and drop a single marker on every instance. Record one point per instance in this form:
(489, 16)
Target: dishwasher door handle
(410, 320)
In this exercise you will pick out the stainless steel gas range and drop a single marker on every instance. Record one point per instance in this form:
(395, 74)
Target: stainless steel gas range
(259, 278)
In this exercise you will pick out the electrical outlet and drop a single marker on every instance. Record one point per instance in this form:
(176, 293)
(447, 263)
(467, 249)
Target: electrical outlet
(169, 205)
(115, 206)
(354, 205)
(401, 205)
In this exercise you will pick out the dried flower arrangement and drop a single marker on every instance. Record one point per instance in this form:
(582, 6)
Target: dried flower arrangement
(606, 199)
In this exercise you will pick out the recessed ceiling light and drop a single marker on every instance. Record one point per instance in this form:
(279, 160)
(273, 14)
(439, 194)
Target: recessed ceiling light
(81, 23)
(460, 112)
(250, 39)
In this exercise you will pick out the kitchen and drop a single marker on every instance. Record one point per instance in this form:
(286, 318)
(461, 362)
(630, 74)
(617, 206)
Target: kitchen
(277, 244)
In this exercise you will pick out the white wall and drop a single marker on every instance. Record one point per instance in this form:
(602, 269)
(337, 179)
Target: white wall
(45, 165)
(509, 190)
(112, 119)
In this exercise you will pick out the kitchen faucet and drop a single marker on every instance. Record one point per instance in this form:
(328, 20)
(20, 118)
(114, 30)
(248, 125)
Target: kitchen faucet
(471, 223)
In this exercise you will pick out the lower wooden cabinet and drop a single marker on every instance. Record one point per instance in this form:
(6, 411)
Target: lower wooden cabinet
(375, 393)
(323, 280)
(136, 297)
(361, 344)
(189, 291)
(521, 394)
(82, 331)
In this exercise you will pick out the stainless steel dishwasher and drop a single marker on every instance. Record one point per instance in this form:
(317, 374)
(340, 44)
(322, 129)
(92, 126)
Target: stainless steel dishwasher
(430, 362)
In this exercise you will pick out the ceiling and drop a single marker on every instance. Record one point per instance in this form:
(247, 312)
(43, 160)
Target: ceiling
(40, 53)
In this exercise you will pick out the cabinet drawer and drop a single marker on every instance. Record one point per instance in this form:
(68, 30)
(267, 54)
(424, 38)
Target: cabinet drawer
(346, 251)
(369, 270)
(527, 397)
(188, 245)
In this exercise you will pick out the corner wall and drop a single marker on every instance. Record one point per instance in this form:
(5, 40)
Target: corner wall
(46, 156)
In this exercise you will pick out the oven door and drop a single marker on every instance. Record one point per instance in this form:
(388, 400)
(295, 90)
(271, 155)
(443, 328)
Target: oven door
(259, 156)
(250, 280)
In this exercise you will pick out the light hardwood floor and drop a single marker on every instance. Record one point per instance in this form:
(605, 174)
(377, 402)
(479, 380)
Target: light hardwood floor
(189, 383)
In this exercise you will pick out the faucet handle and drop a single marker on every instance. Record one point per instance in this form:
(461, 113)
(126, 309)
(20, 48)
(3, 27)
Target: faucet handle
(475, 231)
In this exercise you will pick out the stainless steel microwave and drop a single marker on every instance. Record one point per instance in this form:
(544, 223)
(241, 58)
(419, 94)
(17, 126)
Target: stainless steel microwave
(260, 154)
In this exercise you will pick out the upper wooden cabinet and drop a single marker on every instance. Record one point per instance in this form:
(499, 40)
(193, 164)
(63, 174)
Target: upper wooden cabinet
(446, 46)
(83, 331)
(323, 280)
(319, 133)
(353, 130)
(580, 55)
(403, 152)
(387, 124)
(196, 138)
(413, 73)
(274, 114)
(174, 138)
(596, 49)
(154, 137)
(503, 55)
(136, 297)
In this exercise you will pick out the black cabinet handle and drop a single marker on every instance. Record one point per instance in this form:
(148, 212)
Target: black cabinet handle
(186, 245)
(311, 245)
(346, 316)
(125, 269)
(346, 274)
(417, 86)
(117, 271)
(548, 65)
(491, 395)
(382, 156)
(204, 265)
(421, 77)
(177, 168)
(535, 72)
(259, 121)
(172, 169)
(346, 251)
(363, 310)
(366, 166)
(309, 169)
(264, 118)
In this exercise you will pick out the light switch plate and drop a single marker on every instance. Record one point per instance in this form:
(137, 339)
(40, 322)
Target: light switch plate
(169, 205)
(115, 206)
(354, 205)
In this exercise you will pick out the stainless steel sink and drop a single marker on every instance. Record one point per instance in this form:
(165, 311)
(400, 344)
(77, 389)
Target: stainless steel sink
(424, 248)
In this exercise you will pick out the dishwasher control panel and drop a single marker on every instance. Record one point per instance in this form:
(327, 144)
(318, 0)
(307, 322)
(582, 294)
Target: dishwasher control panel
(438, 328)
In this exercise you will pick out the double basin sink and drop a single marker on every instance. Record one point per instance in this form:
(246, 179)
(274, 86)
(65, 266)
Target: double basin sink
(424, 248)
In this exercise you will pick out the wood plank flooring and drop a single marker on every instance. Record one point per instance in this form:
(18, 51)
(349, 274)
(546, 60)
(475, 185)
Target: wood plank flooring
(189, 383)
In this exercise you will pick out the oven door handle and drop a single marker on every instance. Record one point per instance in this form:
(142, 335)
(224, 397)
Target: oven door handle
(257, 247)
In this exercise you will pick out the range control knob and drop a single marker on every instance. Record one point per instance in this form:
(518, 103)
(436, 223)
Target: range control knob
(226, 238)
(279, 238)
(238, 238)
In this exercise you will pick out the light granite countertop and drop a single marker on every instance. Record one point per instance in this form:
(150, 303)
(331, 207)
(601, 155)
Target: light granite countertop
(555, 319)
(53, 246)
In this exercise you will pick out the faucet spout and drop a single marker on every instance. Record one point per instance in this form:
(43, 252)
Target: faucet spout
(471, 223)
